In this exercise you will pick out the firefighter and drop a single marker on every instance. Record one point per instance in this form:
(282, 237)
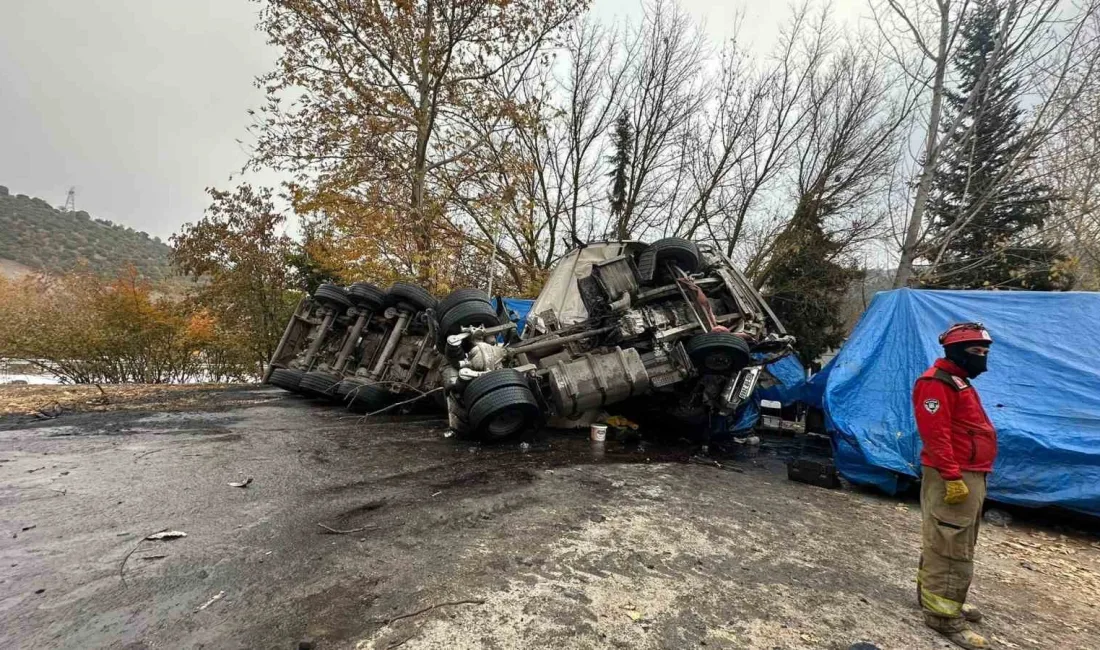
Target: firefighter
(959, 446)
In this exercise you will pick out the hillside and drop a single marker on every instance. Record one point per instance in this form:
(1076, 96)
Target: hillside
(36, 235)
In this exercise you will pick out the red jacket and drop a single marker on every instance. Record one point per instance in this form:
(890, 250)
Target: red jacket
(953, 426)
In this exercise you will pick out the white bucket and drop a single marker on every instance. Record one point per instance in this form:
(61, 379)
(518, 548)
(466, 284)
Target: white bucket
(599, 432)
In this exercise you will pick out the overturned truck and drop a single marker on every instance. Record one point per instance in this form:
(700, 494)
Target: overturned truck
(670, 330)
(365, 347)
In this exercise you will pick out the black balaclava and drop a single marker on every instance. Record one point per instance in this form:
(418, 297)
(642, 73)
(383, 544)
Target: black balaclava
(973, 364)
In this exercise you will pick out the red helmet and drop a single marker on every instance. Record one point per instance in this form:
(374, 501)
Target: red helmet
(966, 333)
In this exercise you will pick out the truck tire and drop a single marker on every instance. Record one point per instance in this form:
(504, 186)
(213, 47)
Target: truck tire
(333, 296)
(504, 413)
(368, 398)
(491, 381)
(417, 297)
(286, 378)
(467, 314)
(682, 251)
(319, 384)
(365, 295)
(459, 296)
(346, 386)
(717, 353)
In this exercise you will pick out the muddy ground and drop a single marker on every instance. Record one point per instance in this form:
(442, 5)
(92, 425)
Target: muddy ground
(456, 546)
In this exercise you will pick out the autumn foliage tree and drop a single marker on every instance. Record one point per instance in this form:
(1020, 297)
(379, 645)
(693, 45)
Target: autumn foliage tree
(240, 259)
(386, 111)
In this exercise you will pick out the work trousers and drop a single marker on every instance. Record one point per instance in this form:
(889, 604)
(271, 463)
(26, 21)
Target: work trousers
(948, 536)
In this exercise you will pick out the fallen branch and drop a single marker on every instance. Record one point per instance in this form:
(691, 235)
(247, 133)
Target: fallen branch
(144, 454)
(431, 607)
(153, 536)
(334, 531)
(122, 566)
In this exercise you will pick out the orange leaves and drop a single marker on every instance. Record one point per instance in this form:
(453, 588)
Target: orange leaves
(398, 138)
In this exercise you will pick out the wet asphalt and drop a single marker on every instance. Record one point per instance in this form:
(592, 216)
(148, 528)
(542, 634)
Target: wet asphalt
(386, 533)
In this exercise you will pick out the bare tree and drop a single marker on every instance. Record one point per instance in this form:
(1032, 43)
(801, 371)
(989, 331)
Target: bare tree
(765, 125)
(663, 92)
(856, 114)
(1070, 163)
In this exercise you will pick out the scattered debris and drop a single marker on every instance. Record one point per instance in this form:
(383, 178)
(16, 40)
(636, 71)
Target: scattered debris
(334, 531)
(210, 602)
(438, 493)
(710, 462)
(152, 557)
(160, 535)
(429, 608)
(242, 484)
(64, 473)
(39, 591)
(32, 471)
(166, 534)
(31, 527)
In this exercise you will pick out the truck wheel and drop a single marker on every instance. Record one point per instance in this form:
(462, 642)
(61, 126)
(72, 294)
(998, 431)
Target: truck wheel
(318, 384)
(491, 381)
(333, 296)
(683, 252)
(459, 296)
(503, 413)
(718, 352)
(416, 296)
(286, 378)
(367, 296)
(368, 398)
(467, 314)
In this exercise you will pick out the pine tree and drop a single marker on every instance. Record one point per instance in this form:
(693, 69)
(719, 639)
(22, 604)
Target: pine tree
(623, 143)
(1002, 245)
(806, 282)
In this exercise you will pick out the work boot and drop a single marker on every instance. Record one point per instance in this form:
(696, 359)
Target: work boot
(971, 613)
(968, 638)
(957, 632)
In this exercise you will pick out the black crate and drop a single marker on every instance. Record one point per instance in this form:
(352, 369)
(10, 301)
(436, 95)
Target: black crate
(819, 472)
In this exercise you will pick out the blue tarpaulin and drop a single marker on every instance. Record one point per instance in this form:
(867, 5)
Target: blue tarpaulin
(517, 309)
(1042, 391)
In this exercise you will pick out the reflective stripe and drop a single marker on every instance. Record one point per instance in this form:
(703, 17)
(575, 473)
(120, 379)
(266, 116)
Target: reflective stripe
(939, 605)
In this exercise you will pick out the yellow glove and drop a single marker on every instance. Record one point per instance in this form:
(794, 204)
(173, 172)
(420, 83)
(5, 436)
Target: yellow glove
(956, 492)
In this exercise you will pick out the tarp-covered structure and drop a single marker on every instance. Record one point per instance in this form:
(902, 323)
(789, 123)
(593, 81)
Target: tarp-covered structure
(1042, 391)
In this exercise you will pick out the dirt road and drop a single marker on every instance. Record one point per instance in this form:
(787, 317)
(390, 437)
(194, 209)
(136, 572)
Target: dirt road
(551, 546)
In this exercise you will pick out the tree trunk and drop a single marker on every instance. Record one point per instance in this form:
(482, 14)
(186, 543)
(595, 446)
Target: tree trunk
(928, 165)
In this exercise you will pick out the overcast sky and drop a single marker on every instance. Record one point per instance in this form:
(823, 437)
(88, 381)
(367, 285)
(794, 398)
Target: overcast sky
(139, 103)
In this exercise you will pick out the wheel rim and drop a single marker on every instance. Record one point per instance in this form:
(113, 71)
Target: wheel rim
(507, 422)
(718, 361)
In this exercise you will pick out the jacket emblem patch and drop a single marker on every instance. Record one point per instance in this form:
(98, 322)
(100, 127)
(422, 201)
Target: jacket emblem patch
(931, 405)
